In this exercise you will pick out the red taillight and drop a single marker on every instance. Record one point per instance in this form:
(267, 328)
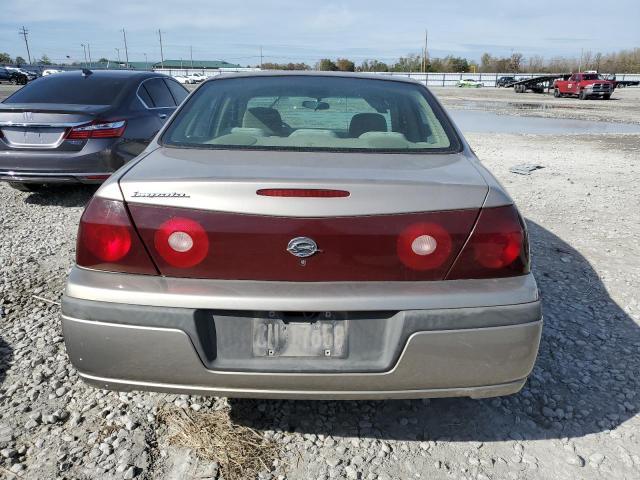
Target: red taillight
(98, 129)
(108, 241)
(497, 247)
(424, 246)
(181, 242)
(303, 192)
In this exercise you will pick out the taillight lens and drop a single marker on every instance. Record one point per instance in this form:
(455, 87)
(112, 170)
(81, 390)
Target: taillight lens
(181, 242)
(108, 241)
(98, 129)
(424, 246)
(497, 247)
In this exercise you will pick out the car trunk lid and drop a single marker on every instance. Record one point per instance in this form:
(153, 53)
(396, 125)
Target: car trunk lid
(367, 234)
(42, 126)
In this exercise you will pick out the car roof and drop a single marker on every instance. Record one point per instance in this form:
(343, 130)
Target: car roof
(314, 73)
(112, 74)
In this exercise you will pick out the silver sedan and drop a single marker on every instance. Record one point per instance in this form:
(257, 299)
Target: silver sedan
(304, 235)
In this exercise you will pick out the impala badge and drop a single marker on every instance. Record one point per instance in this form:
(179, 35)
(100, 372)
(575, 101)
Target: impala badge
(302, 247)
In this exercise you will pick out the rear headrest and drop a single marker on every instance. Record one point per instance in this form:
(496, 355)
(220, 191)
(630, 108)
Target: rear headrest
(267, 119)
(366, 122)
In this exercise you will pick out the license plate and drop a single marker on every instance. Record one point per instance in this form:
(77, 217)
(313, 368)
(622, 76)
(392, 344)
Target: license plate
(273, 337)
(33, 137)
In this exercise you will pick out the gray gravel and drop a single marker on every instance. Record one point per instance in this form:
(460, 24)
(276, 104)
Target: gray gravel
(576, 418)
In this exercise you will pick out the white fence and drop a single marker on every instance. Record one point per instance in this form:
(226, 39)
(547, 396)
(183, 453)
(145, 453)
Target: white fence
(431, 79)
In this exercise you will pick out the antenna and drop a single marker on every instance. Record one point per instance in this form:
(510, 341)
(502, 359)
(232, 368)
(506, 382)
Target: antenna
(24, 32)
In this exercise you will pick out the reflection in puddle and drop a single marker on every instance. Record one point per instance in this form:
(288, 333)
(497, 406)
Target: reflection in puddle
(475, 121)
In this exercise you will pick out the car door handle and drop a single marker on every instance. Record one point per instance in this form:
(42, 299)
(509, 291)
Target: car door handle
(162, 115)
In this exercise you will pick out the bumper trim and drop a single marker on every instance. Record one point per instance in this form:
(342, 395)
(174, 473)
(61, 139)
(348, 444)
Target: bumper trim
(85, 284)
(485, 391)
(44, 177)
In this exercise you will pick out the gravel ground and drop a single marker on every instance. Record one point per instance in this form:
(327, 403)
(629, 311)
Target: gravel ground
(577, 417)
(622, 107)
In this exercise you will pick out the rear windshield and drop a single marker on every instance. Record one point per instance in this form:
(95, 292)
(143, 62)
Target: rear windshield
(56, 88)
(312, 113)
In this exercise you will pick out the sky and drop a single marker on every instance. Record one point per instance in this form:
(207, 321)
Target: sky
(299, 30)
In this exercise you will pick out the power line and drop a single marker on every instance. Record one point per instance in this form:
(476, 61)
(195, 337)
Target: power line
(24, 32)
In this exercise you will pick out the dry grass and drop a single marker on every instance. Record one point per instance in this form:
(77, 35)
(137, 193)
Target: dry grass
(240, 452)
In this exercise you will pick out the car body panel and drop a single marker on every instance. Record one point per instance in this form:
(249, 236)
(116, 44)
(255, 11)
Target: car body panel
(227, 181)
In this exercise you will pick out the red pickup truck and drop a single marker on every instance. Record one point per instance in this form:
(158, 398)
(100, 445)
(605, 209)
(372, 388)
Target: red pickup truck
(584, 85)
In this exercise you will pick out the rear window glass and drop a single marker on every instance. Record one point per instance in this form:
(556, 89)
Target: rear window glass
(71, 89)
(178, 91)
(312, 113)
(159, 92)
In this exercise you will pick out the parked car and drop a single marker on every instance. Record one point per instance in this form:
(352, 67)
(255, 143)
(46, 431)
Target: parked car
(50, 71)
(270, 242)
(505, 81)
(181, 79)
(13, 76)
(81, 126)
(197, 77)
(584, 85)
(29, 74)
(470, 83)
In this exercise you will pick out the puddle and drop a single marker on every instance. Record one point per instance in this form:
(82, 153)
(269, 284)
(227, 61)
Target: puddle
(474, 121)
(528, 106)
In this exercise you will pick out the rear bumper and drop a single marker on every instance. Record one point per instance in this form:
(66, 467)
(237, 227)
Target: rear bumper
(476, 351)
(98, 158)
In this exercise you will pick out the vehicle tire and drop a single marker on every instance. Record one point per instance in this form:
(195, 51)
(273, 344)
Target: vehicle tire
(556, 93)
(27, 187)
(582, 95)
(13, 81)
(606, 96)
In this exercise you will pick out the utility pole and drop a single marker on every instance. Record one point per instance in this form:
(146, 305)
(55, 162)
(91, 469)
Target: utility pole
(191, 55)
(126, 50)
(146, 62)
(580, 64)
(24, 32)
(89, 50)
(425, 58)
(118, 52)
(260, 57)
(84, 49)
(161, 54)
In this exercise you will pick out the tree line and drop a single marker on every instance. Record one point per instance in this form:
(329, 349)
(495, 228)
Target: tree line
(624, 61)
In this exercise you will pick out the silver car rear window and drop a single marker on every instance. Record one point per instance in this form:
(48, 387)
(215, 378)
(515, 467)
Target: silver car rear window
(304, 112)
